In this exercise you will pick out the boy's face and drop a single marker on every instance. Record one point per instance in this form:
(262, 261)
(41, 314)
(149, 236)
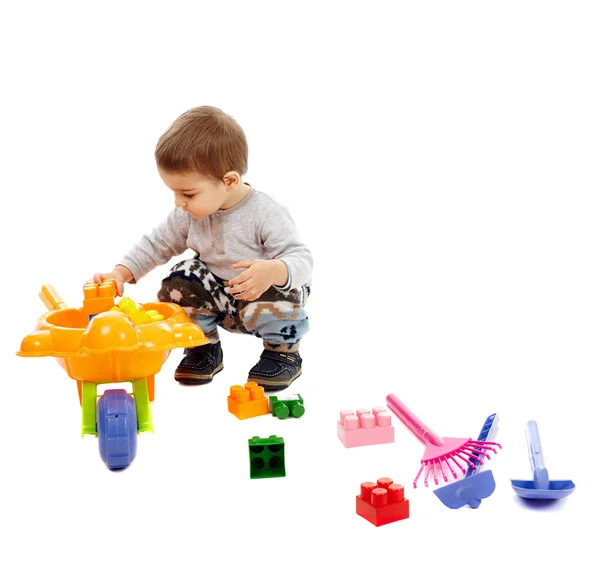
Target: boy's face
(200, 195)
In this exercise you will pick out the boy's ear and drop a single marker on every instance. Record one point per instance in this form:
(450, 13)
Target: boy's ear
(232, 179)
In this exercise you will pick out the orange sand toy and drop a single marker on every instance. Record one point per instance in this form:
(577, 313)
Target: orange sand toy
(110, 347)
(95, 344)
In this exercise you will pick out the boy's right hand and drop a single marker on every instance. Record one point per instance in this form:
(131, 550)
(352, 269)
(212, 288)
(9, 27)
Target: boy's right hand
(120, 274)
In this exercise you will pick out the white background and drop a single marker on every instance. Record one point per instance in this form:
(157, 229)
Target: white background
(440, 159)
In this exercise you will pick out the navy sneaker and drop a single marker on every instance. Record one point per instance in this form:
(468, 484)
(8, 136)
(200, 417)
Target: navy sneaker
(276, 370)
(199, 364)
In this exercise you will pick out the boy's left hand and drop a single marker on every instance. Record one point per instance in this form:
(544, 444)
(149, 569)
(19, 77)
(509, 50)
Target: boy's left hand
(258, 277)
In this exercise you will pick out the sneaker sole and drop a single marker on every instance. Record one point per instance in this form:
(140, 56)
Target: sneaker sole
(197, 379)
(276, 385)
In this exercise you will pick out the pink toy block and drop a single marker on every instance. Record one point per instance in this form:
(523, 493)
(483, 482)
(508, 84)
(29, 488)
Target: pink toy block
(365, 427)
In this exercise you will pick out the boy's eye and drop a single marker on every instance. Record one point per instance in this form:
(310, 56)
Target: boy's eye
(188, 196)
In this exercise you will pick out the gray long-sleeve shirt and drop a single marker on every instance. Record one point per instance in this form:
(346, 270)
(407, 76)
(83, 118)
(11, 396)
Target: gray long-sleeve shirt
(256, 228)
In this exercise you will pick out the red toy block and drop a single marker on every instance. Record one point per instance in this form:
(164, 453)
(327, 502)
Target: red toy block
(382, 502)
(366, 427)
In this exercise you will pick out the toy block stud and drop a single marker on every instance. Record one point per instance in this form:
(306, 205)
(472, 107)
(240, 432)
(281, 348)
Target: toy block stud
(266, 457)
(154, 316)
(99, 297)
(382, 502)
(248, 401)
(285, 406)
(365, 427)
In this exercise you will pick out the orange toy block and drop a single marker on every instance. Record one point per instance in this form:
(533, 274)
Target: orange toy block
(248, 401)
(99, 297)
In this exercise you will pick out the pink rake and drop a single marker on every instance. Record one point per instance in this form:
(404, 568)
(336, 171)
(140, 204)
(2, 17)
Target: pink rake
(440, 451)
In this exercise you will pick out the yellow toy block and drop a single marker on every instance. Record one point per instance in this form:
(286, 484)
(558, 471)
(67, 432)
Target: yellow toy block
(133, 310)
(248, 401)
(136, 312)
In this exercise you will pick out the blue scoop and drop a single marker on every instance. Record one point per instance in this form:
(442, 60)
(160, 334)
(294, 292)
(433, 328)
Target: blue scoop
(541, 487)
(476, 485)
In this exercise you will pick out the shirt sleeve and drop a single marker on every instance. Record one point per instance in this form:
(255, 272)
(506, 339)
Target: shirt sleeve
(165, 241)
(288, 284)
(282, 242)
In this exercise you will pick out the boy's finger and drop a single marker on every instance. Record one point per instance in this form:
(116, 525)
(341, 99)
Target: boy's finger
(239, 295)
(242, 291)
(243, 264)
(241, 277)
(247, 295)
(252, 294)
(235, 289)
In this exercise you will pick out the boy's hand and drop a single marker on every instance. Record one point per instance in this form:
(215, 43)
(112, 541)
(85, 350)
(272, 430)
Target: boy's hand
(258, 277)
(120, 275)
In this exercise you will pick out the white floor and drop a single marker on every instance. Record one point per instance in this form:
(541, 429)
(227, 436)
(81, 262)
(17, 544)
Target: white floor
(441, 162)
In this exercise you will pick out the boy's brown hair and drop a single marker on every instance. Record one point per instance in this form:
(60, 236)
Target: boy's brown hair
(205, 140)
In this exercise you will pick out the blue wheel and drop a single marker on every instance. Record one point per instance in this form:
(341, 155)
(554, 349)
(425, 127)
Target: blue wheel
(117, 428)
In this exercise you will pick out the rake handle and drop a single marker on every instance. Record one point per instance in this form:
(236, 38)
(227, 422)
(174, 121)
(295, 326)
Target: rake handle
(412, 421)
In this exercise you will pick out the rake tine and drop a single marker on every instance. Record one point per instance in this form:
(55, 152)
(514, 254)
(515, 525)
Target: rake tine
(435, 470)
(418, 474)
(470, 463)
(442, 470)
(488, 448)
(451, 457)
(427, 474)
(476, 454)
(445, 458)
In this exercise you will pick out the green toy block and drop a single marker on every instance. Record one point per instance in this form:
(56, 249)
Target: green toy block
(266, 457)
(282, 408)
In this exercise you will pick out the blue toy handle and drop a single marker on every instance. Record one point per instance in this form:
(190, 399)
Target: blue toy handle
(487, 433)
(536, 458)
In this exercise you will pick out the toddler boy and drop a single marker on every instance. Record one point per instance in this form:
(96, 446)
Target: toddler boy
(250, 273)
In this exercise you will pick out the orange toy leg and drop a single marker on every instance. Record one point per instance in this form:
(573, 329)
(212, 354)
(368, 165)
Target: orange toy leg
(150, 379)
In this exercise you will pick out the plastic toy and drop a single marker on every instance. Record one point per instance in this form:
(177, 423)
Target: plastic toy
(382, 502)
(440, 450)
(137, 312)
(248, 401)
(110, 348)
(541, 488)
(267, 457)
(285, 406)
(96, 297)
(365, 427)
(476, 485)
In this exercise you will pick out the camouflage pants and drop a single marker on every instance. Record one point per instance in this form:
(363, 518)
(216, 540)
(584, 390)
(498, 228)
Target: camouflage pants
(278, 318)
